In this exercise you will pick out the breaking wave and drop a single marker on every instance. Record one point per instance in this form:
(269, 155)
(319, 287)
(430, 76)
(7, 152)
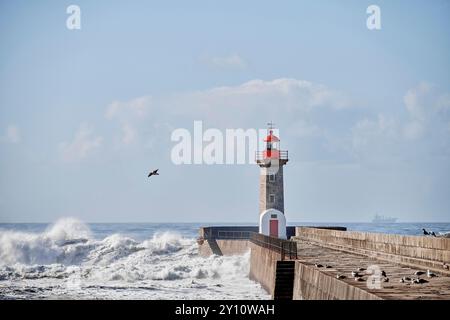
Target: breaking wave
(67, 260)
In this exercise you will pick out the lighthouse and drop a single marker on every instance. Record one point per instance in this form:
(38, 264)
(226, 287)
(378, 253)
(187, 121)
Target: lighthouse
(271, 160)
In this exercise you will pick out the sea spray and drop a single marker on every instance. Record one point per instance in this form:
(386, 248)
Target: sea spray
(66, 259)
(63, 242)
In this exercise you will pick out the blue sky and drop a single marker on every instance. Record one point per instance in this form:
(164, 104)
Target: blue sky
(365, 114)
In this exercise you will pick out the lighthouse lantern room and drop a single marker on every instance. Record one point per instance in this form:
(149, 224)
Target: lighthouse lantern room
(271, 160)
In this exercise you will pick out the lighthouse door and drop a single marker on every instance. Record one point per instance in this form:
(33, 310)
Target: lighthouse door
(274, 228)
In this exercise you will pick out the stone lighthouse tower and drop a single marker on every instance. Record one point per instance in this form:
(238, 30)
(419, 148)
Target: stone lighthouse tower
(271, 192)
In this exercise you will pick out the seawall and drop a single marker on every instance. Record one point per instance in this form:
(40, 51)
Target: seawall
(311, 284)
(322, 264)
(413, 251)
(263, 267)
(224, 247)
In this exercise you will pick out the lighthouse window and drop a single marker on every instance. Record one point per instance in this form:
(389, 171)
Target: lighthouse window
(271, 198)
(271, 177)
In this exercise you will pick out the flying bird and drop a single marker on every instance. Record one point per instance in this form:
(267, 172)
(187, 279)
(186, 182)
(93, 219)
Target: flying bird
(153, 173)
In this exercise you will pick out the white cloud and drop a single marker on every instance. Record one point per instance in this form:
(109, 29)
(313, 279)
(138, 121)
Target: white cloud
(232, 61)
(129, 134)
(12, 134)
(84, 143)
(129, 114)
(368, 132)
(413, 130)
(417, 101)
(427, 108)
(421, 132)
(317, 120)
(137, 107)
(303, 129)
(255, 101)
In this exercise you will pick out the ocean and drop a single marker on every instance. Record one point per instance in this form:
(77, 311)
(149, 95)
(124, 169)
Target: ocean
(70, 259)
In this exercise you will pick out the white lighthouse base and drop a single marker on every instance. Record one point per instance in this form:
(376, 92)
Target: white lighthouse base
(272, 222)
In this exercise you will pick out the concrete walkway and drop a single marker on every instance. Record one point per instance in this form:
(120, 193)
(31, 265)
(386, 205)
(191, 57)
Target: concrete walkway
(343, 263)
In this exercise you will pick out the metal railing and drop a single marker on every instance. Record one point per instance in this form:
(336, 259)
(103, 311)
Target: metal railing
(227, 232)
(234, 235)
(260, 155)
(285, 248)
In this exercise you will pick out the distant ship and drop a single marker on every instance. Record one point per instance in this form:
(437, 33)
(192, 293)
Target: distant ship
(383, 219)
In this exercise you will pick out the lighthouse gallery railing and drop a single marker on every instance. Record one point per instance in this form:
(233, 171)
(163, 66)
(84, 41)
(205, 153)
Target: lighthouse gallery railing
(261, 155)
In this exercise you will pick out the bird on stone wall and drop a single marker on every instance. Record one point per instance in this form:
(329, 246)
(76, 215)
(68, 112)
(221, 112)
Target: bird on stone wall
(418, 281)
(361, 269)
(318, 265)
(431, 274)
(429, 233)
(355, 274)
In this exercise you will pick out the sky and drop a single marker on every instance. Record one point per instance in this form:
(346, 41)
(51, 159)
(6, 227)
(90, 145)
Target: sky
(86, 113)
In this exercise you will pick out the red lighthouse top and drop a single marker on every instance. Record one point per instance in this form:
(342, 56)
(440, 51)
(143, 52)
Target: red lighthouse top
(272, 150)
(271, 137)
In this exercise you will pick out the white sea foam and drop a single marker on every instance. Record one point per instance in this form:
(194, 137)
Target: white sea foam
(444, 234)
(67, 261)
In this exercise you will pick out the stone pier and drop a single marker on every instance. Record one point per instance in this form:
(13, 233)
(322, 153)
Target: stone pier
(324, 253)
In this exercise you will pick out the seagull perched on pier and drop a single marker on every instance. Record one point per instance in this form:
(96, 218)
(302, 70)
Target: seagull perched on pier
(361, 269)
(153, 173)
(428, 233)
(355, 274)
(405, 279)
(419, 281)
(431, 274)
